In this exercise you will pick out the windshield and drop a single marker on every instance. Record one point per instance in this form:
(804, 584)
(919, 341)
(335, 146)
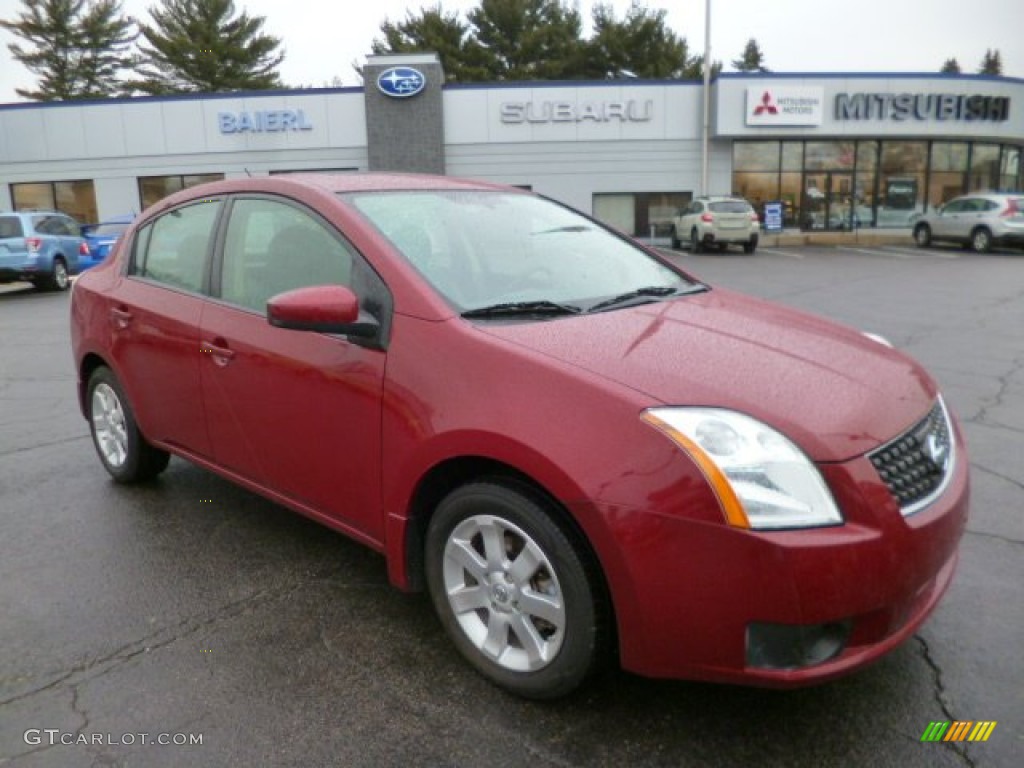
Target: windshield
(481, 249)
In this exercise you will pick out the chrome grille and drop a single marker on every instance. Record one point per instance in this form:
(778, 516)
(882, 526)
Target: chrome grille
(916, 465)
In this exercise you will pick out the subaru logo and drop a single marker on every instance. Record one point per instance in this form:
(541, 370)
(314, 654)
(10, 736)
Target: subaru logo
(401, 82)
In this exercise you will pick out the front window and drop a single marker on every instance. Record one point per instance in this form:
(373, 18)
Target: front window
(482, 248)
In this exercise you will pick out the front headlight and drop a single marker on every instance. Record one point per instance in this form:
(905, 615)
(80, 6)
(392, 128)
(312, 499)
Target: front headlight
(761, 478)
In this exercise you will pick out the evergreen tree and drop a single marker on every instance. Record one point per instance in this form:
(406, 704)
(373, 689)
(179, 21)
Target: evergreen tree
(640, 45)
(462, 58)
(992, 63)
(950, 67)
(203, 45)
(76, 49)
(529, 39)
(751, 60)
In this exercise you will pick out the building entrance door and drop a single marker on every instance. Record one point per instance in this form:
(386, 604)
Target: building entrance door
(828, 201)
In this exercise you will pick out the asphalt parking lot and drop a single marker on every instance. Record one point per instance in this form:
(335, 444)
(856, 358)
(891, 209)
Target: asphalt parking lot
(190, 607)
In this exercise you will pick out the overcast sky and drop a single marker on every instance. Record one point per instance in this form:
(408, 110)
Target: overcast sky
(323, 37)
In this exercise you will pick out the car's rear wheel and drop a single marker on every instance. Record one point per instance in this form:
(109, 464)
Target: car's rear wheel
(513, 590)
(122, 449)
(923, 235)
(981, 240)
(751, 246)
(696, 246)
(59, 280)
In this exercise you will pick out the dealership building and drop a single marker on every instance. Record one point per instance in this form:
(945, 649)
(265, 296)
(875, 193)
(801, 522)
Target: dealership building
(837, 150)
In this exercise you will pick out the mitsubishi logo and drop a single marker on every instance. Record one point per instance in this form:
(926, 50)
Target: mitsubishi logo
(766, 105)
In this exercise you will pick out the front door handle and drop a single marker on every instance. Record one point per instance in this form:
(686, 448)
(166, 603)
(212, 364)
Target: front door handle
(219, 350)
(120, 318)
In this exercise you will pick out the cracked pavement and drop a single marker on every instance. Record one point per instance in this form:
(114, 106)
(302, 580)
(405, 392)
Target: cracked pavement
(192, 606)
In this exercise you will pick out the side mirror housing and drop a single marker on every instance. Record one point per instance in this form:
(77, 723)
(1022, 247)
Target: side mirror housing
(321, 308)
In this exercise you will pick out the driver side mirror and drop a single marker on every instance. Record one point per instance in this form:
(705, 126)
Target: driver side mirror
(321, 308)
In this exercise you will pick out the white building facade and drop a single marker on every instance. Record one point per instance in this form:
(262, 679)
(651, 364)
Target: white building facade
(838, 150)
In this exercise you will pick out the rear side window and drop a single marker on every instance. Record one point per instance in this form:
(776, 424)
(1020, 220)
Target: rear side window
(730, 206)
(173, 248)
(10, 226)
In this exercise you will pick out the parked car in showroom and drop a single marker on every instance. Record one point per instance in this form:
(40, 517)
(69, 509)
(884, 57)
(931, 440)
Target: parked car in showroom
(41, 247)
(978, 221)
(101, 237)
(716, 222)
(580, 451)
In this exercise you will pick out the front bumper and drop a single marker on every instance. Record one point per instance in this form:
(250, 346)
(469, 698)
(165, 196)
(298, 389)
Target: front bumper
(693, 591)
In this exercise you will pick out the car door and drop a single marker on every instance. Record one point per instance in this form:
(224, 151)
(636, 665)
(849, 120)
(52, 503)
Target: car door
(154, 318)
(950, 221)
(71, 241)
(295, 412)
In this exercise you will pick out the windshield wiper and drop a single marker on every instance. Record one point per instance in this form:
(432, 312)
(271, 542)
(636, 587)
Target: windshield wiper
(573, 228)
(650, 291)
(541, 307)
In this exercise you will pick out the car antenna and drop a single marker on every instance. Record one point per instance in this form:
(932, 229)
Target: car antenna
(247, 172)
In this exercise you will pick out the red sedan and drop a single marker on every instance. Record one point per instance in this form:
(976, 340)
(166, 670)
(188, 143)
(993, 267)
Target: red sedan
(576, 448)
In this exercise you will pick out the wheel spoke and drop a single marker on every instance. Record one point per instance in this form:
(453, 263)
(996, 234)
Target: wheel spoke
(529, 638)
(496, 642)
(494, 545)
(525, 565)
(466, 599)
(462, 553)
(541, 606)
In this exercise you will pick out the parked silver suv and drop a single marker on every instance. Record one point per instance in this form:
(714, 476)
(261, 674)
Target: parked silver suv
(716, 221)
(978, 220)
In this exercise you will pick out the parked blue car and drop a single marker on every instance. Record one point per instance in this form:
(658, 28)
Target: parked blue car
(42, 247)
(101, 237)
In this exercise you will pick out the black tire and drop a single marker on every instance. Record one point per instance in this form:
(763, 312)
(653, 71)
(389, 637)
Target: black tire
(751, 246)
(676, 242)
(923, 235)
(59, 280)
(503, 607)
(696, 246)
(981, 240)
(115, 432)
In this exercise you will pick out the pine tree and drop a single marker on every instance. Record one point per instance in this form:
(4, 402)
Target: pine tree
(444, 33)
(950, 67)
(203, 45)
(992, 63)
(640, 45)
(530, 39)
(76, 49)
(751, 60)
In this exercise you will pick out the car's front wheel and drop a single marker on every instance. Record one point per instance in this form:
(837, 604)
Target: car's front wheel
(122, 449)
(981, 240)
(513, 590)
(923, 235)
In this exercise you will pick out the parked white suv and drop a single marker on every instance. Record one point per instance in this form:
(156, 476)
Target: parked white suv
(978, 221)
(716, 221)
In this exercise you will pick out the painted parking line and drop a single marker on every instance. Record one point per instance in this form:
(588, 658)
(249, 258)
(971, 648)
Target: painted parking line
(922, 253)
(867, 251)
(780, 252)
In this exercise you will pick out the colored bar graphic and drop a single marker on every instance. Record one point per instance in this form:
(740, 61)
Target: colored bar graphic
(959, 730)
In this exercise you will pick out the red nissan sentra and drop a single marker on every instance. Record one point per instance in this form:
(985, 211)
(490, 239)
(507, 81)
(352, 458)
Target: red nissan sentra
(576, 448)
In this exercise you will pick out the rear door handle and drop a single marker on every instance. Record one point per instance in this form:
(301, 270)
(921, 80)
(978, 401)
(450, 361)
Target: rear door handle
(120, 318)
(219, 350)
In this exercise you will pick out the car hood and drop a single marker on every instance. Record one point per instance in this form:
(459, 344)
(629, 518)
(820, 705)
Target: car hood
(832, 390)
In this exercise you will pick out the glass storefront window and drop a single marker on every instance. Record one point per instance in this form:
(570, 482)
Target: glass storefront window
(984, 174)
(949, 156)
(789, 194)
(152, 189)
(829, 155)
(755, 156)
(757, 188)
(792, 155)
(640, 214)
(75, 198)
(1009, 171)
(902, 182)
(867, 155)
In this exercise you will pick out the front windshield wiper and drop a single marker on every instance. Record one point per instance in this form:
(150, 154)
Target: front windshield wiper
(541, 307)
(573, 228)
(650, 291)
